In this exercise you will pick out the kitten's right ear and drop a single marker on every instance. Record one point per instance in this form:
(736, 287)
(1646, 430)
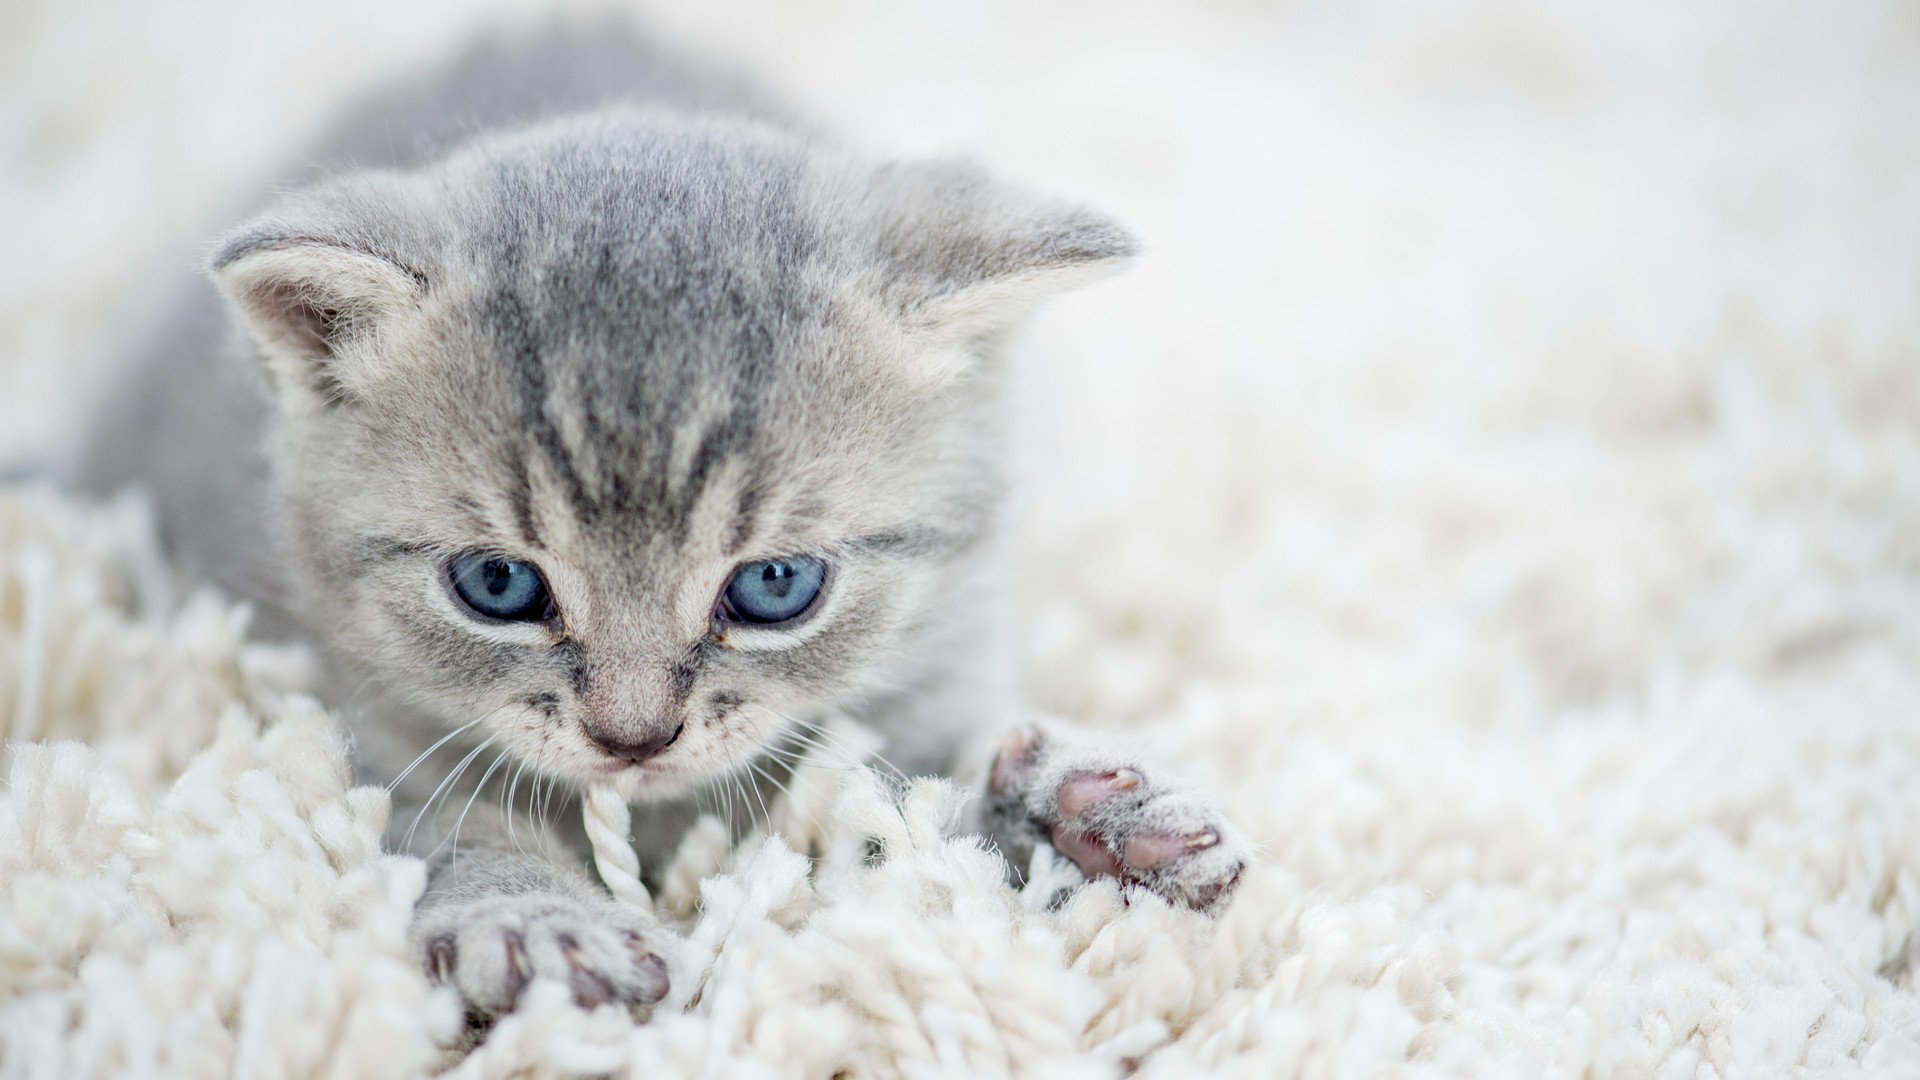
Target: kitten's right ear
(316, 306)
(962, 255)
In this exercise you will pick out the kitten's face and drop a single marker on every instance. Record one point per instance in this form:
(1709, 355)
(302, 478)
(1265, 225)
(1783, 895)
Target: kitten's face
(561, 568)
(633, 443)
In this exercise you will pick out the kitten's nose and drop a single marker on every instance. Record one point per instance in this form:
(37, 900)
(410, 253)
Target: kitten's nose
(641, 750)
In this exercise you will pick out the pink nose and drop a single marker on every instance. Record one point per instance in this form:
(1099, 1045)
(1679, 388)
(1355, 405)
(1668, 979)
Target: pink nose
(639, 750)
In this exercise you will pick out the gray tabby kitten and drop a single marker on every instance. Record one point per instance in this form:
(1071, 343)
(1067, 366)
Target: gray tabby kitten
(590, 412)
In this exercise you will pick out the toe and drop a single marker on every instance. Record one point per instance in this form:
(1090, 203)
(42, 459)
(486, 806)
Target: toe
(519, 968)
(1016, 753)
(1082, 791)
(652, 980)
(590, 989)
(1214, 893)
(1151, 851)
(1086, 850)
(650, 971)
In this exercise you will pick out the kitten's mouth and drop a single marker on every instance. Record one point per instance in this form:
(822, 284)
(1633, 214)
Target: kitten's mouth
(644, 781)
(613, 766)
(645, 772)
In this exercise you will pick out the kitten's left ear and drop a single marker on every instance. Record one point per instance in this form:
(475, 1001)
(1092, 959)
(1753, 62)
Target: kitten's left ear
(962, 256)
(317, 301)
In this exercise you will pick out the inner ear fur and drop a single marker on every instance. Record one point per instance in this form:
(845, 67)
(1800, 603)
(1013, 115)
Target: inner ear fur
(316, 306)
(962, 255)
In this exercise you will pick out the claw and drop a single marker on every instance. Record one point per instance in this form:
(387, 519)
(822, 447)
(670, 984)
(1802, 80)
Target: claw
(1087, 852)
(440, 955)
(519, 967)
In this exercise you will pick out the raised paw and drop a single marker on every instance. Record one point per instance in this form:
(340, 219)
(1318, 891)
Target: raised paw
(1112, 820)
(491, 947)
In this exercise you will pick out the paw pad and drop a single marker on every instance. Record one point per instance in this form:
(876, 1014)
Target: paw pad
(1088, 852)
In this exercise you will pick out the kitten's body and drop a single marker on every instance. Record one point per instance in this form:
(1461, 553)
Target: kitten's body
(570, 305)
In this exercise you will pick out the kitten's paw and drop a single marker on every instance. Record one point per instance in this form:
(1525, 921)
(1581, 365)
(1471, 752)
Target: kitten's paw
(1112, 820)
(490, 948)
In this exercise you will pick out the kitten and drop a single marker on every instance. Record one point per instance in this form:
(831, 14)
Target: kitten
(590, 415)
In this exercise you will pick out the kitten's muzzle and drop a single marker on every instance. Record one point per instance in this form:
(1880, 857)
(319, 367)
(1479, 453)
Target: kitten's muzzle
(638, 751)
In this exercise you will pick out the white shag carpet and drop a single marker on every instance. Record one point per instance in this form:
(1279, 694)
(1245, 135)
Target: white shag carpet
(1500, 483)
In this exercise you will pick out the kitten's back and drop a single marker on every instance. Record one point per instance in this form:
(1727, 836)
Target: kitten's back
(500, 84)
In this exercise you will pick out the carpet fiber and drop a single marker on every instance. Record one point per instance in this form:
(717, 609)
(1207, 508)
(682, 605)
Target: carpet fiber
(1499, 483)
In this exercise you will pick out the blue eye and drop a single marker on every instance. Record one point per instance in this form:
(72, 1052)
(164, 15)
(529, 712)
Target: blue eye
(501, 588)
(774, 590)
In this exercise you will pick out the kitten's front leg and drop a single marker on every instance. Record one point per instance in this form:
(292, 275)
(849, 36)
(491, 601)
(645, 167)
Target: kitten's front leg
(1111, 815)
(497, 918)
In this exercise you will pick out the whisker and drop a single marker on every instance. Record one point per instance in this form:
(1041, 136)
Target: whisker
(428, 752)
(795, 759)
(507, 806)
(788, 792)
(453, 838)
(747, 786)
(770, 778)
(727, 810)
(735, 764)
(807, 751)
(842, 743)
(546, 806)
(407, 844)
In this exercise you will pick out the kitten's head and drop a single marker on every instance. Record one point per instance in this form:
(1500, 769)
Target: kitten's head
(633, 438)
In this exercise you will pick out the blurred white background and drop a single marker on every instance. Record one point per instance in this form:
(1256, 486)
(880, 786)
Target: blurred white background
(1411, 194)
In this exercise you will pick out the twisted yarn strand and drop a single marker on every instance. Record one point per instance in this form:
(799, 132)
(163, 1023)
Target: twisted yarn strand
(609, 823)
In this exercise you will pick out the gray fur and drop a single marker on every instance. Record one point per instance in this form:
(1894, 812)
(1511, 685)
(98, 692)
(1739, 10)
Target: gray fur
(570, 304)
